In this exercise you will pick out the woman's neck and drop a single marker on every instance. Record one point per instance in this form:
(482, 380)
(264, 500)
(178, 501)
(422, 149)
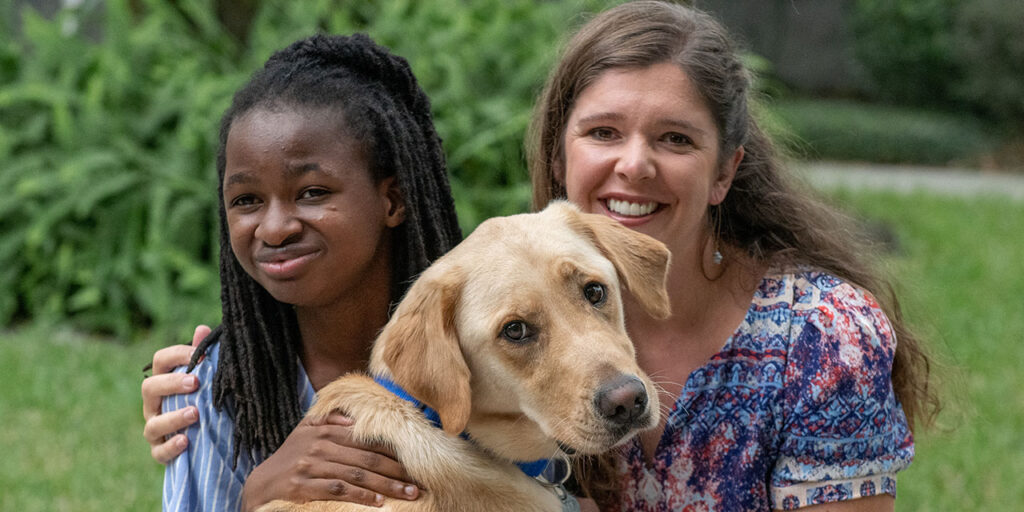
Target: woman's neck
(707, 299)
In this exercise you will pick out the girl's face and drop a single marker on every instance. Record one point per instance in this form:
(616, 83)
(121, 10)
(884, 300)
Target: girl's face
(641, 147)
(305, 218)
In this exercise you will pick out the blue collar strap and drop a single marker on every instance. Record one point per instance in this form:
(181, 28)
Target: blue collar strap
(532, 469)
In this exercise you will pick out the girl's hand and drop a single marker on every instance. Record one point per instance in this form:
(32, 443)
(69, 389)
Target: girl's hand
(323, 462)
(160, 429)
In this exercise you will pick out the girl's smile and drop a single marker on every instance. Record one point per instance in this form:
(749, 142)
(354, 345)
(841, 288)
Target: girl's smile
(305, 217)
(286, 262)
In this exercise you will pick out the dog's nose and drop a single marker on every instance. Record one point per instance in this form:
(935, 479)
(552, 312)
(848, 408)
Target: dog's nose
(622, 401)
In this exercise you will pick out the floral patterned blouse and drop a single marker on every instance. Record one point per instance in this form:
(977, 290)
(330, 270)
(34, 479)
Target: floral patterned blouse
(796, 409)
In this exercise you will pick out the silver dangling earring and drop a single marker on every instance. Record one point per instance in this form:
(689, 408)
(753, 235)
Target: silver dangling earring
(716, 219)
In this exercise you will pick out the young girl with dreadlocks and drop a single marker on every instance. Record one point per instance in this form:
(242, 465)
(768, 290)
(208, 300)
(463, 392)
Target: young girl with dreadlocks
(334, 196)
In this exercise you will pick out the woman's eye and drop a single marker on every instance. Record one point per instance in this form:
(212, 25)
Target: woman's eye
(517, 332)
(602, 133)
(595, 293)
(677, 139)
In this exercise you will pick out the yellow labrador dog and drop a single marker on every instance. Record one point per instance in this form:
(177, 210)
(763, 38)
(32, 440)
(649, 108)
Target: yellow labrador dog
(516, 339)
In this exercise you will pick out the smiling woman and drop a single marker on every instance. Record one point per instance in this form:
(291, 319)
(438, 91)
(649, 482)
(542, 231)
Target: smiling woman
(780, 373)
(649, 153)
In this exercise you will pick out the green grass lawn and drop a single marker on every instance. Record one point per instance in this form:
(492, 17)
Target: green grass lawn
(71, 410)
(71, 438)
(961, 279)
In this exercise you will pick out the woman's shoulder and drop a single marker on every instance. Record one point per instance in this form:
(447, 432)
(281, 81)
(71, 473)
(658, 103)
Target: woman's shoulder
(810, 310)
(840, 309)
(808, 293)
(839, 335)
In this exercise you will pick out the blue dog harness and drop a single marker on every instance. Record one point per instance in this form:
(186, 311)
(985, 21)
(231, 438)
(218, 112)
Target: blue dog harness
(532, 469)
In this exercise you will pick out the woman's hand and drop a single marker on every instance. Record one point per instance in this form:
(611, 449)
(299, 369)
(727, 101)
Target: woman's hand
(163, 383)
(323, 462)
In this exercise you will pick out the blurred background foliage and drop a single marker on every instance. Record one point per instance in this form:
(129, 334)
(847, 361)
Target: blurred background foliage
(108, 135)
(109, 111)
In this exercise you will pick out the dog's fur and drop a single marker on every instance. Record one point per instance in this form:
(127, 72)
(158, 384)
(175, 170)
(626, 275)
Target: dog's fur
(516, 401)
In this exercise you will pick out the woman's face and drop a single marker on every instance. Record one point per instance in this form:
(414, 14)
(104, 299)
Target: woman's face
(305, 218)
(642, 148)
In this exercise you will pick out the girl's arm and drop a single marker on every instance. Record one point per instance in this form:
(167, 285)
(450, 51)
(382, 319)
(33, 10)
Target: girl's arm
(323, 462)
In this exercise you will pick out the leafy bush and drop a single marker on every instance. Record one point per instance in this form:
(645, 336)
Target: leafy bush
(107, 144)
(846, 130)
(990, 48)
(945, 53)
(108, 214)
(907, 47)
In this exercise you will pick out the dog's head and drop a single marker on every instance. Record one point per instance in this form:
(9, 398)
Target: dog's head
(517, 335)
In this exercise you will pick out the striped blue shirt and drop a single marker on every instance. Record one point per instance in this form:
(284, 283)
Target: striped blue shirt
(202, 478)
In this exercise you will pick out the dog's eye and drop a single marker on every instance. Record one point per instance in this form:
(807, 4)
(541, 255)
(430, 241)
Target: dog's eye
(517, 331)
(595, 293)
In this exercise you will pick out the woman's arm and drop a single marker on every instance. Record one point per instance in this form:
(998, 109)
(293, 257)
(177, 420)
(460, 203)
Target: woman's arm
(880, 503)
(844, 436)
(160, 429)
(316, 462)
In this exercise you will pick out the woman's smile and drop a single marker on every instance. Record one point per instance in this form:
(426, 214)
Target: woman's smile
(630, 212)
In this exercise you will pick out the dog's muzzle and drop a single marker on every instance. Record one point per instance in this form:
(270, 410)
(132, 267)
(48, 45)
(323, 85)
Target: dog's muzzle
(622, 403)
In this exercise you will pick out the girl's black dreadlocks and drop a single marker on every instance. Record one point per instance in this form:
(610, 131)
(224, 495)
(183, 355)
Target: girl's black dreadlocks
(376, 95)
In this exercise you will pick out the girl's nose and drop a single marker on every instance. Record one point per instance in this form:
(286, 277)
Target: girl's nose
(279, 225)
(636, 162)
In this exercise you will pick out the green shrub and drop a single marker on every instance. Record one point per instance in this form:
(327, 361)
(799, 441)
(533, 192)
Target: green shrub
(107, 144)
(945, 53)
(108, 210)
(906, 45)
(990, 49)
(846, 130)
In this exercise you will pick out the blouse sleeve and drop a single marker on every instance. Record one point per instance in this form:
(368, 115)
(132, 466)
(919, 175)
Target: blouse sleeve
(204, 478)
(844, 434)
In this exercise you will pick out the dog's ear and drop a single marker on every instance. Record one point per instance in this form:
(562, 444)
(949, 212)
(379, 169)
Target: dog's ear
(422, 349)
(641, 261)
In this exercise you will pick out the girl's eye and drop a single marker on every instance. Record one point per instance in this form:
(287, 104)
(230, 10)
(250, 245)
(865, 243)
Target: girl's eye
(517, 332)
(677, 139)
(312, 193)
(244, 200)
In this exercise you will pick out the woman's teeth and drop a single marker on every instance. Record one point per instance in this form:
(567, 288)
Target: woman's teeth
(631, 209)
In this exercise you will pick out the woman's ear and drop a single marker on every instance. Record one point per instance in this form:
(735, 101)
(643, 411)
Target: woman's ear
(394, 203)
(726, 173)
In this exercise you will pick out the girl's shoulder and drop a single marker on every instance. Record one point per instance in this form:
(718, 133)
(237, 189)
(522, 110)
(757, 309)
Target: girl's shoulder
(206, 366)
(204, 371)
